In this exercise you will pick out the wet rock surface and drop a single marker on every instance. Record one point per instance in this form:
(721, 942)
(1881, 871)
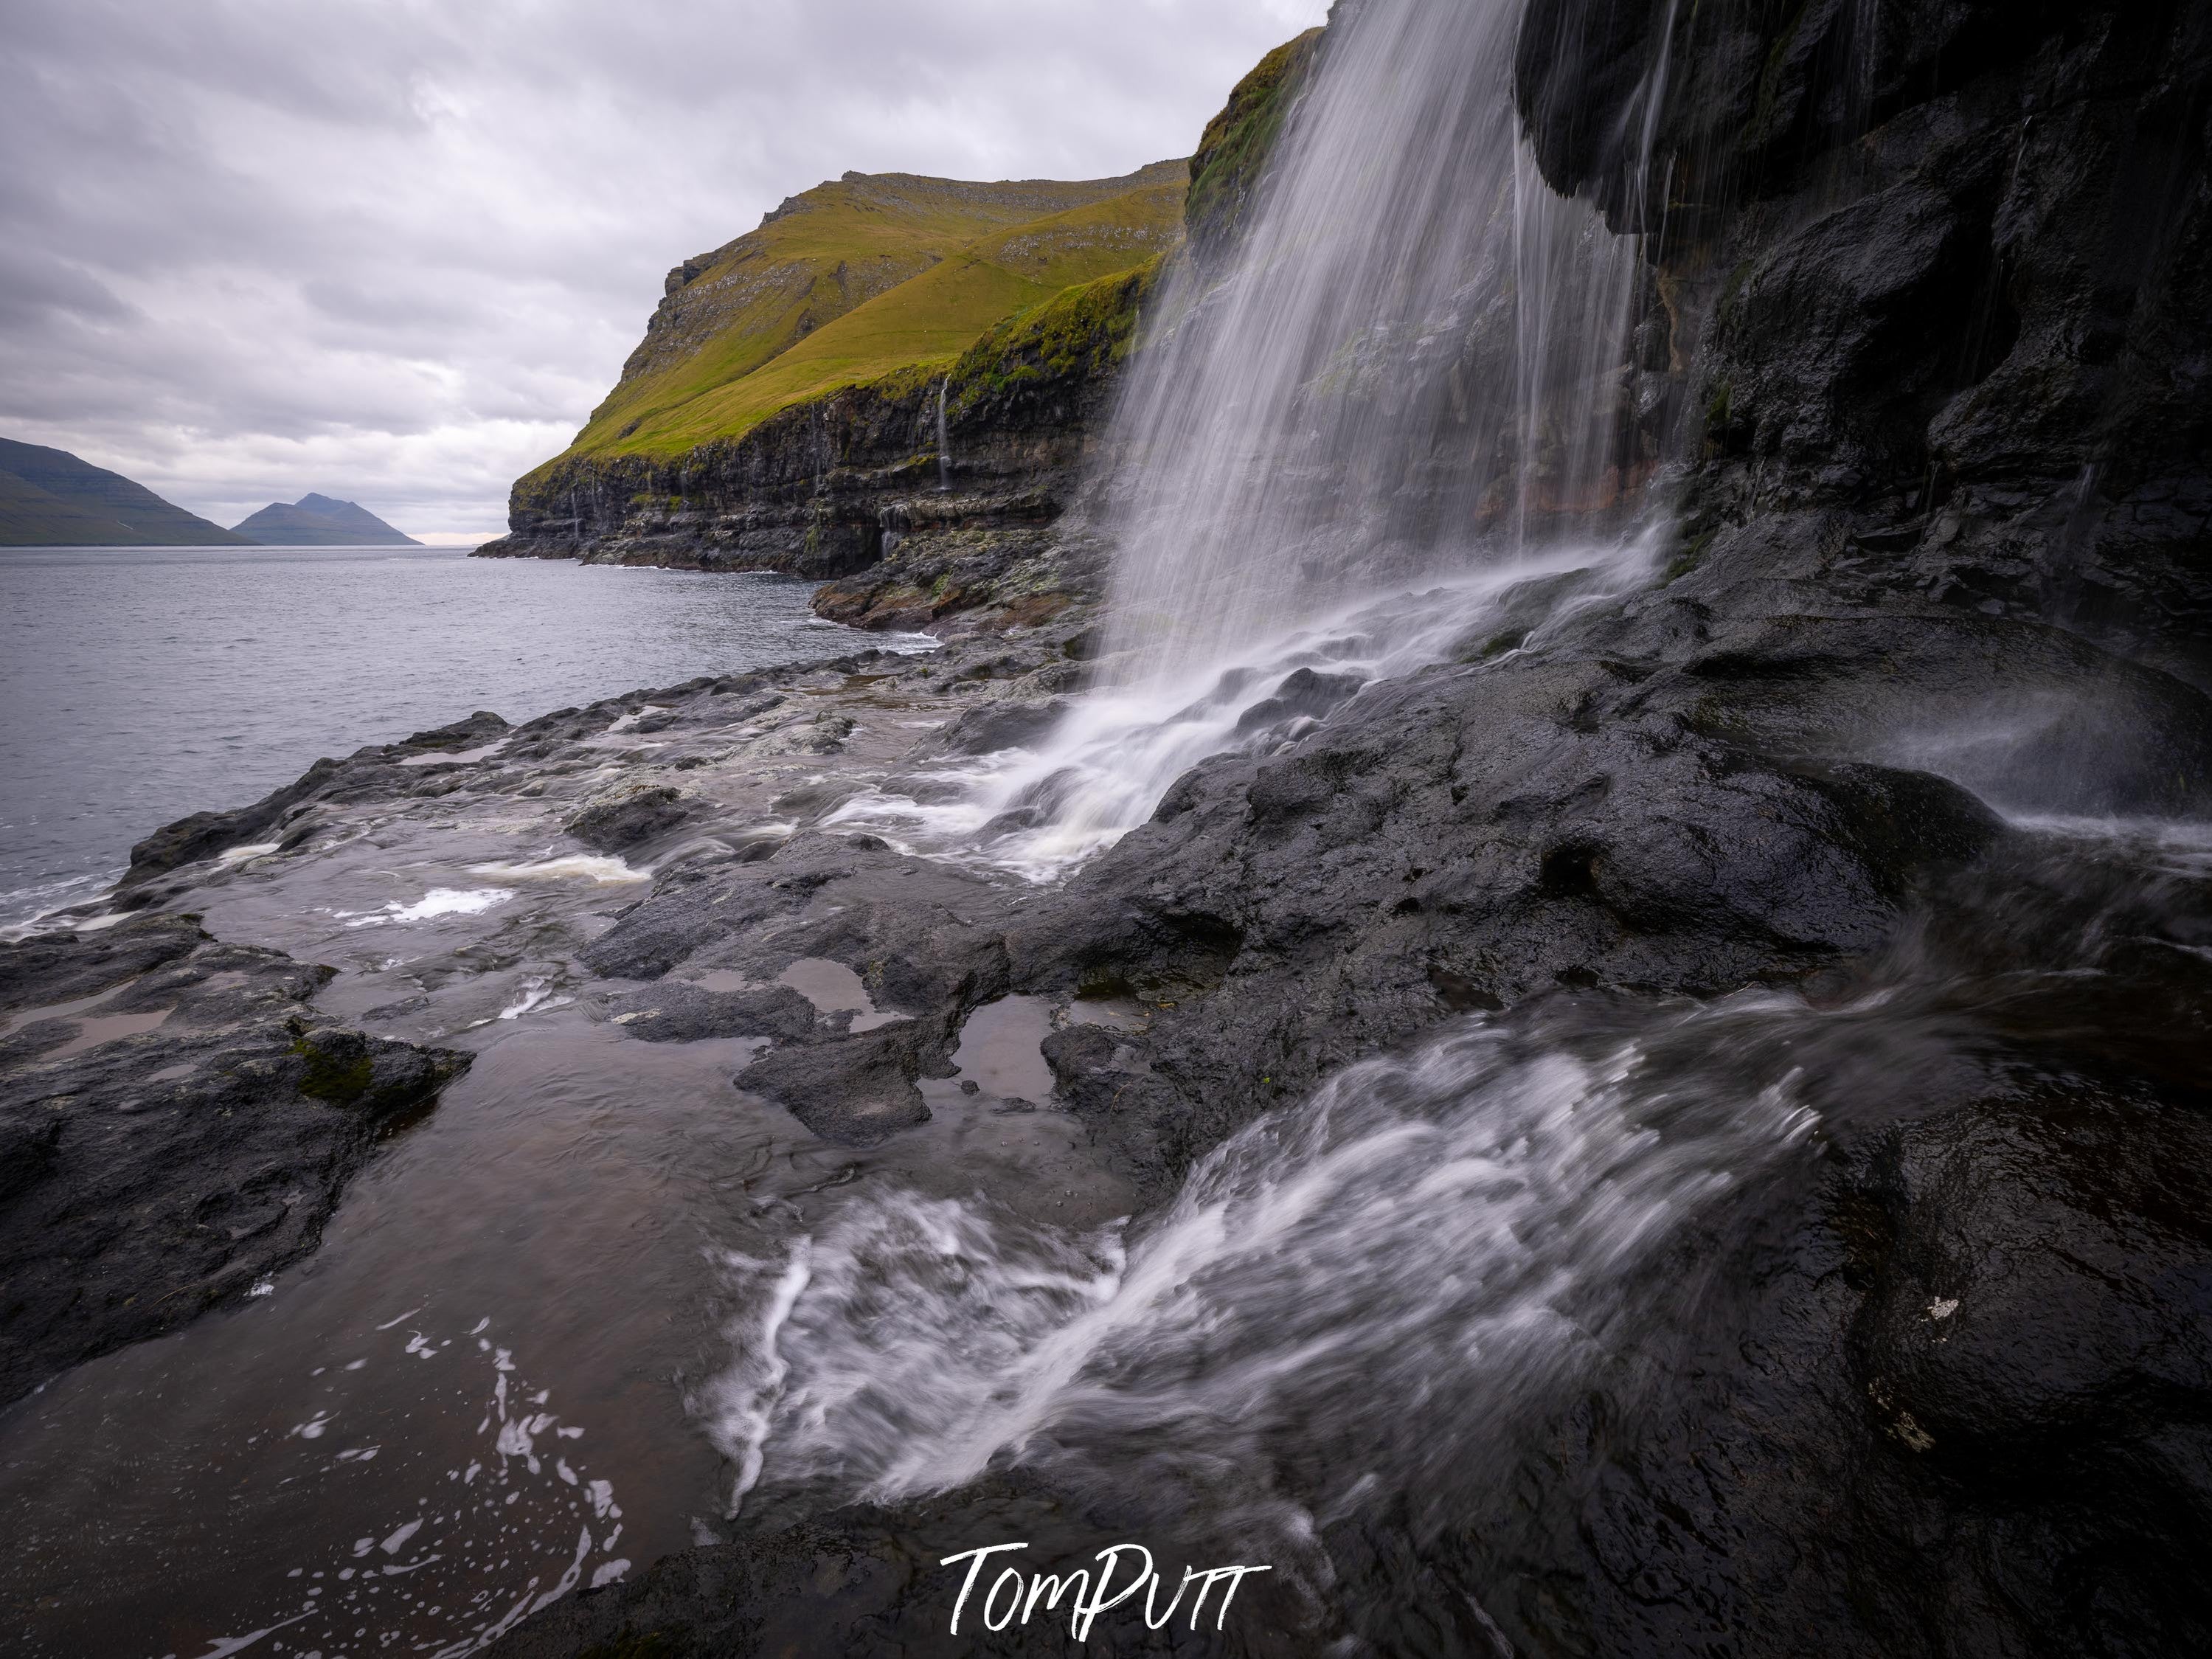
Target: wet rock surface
(1936, 276)
(869, 1580)
(176, 1124)
(1943, 1390)
(1663, 797)
(631, 820)
(1947, 1394)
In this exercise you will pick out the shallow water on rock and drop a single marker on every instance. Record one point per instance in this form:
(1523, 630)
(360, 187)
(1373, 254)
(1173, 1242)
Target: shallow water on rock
(478, 1393)
(473, 1398)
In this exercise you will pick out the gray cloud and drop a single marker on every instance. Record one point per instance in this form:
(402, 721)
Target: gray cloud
(397, 249)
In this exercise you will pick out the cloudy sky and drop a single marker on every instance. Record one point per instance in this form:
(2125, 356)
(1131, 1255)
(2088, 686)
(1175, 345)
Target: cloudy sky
(395, 250)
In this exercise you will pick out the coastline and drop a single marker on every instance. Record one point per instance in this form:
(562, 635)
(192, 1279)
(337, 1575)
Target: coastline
(1642, 1098)
(1188, 939)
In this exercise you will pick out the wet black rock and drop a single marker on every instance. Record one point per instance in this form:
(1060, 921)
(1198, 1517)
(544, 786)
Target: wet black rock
(633, 819)
(855, 1091)
(280, 815)
(672, 1010)
(204, 834)
(1010, 723)
(179, 1140)
(1302, 693)
(2075, 1465)
(1955, 1401)
(1937, 276)
(1470, 836)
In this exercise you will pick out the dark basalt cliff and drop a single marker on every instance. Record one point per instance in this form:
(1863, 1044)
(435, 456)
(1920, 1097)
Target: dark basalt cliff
(1936, 279)
(1942, 273)
(830, 487)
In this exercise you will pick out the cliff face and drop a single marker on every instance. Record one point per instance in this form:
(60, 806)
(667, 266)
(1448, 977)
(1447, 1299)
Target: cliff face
(859, 280)
(1232, 151)
(1935, 293)
(926, 480)
(828, 488)
(786, 401)
(1932, 328)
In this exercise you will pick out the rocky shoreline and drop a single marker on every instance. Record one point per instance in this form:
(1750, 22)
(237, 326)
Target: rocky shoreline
(211, 1127)
(1941, 1388)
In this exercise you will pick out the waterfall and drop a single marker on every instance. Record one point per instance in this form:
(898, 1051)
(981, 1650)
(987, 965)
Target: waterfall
(1410, 391)
(943, 440)
(1416, 364)
(1469, 1292)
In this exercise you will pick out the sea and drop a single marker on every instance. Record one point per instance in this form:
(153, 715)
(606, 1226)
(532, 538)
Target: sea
(140, 685)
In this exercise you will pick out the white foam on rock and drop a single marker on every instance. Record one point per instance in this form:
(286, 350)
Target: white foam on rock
(438, 901)
(1040, 811)
(577, 867)
(1455, 1226)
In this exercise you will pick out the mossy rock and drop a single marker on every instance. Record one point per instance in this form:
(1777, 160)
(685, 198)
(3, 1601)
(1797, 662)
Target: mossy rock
(340, 1070)
(1078, 335)
(1224, 173)
(369, 1075)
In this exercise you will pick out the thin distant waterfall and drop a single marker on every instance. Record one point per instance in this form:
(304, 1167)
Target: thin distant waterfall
(1418, 362)
(943, 440)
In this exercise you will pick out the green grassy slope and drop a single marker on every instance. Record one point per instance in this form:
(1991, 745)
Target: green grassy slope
(891, 281)
(925, 323)
(862, 278)
(48, 497)
(29, 517)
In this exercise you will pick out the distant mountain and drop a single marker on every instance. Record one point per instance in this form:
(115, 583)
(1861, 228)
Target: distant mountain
(49, 498)
(319, 521)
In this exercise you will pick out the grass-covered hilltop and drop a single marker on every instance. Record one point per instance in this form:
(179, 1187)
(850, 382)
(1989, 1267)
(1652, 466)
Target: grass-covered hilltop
(886, 354)
(861, 279)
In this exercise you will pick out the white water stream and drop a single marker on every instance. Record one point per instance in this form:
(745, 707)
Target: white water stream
(1389, 436)
(1389, 1270)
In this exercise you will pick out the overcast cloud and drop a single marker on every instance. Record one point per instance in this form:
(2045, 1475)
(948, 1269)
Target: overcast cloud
(396, 250)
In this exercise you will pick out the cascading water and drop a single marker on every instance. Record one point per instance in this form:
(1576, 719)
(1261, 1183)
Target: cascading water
(1409, 392)
(1039, 812)
(1372, 1302)
(1415, 365)
(1401, 431)
(1394, 433)
(944, 440)
(1459, 1226)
